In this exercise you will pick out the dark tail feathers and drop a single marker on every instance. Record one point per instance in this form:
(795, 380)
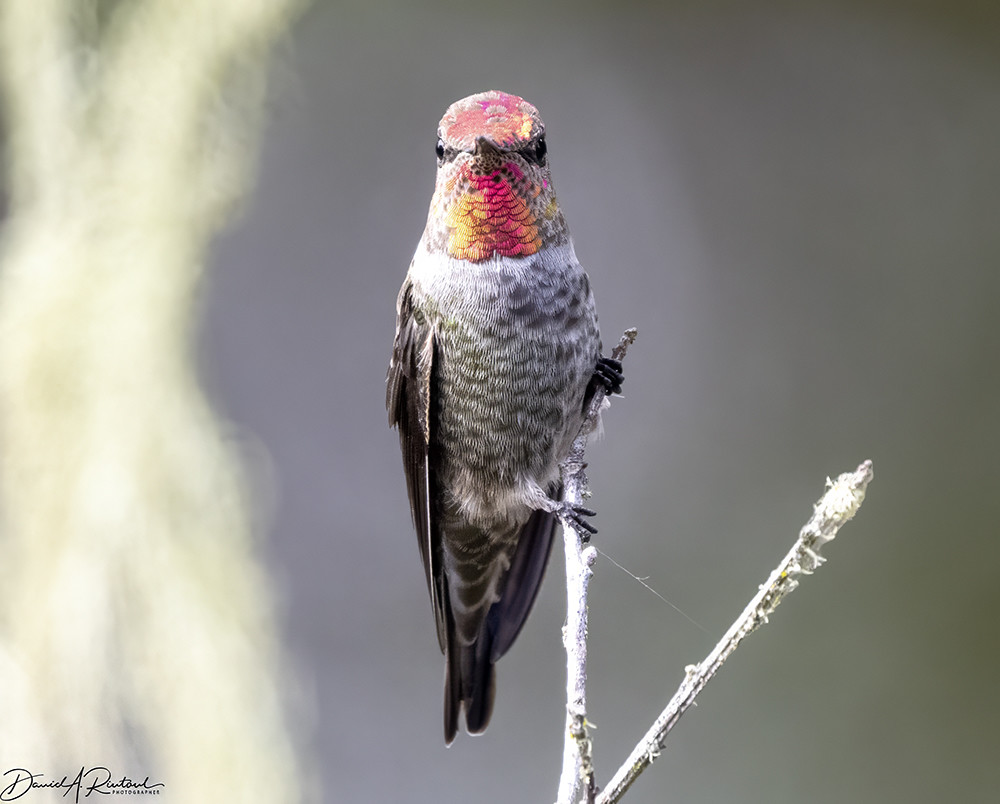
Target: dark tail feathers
(469, 679)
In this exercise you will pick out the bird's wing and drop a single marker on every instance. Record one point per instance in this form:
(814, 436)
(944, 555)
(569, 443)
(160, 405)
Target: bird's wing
(523, 580)
(409, 394)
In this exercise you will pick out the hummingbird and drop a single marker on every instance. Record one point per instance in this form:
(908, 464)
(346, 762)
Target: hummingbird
(496, 356)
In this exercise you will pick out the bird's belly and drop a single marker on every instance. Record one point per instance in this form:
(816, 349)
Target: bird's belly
(510, 404)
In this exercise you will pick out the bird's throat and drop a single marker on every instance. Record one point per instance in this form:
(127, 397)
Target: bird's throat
(491, 216)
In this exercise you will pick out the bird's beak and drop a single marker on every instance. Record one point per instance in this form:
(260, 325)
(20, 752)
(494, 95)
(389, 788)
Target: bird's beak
(485, 149)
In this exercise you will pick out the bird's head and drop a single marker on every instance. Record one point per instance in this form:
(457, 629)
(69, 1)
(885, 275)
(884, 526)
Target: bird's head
(494, 194)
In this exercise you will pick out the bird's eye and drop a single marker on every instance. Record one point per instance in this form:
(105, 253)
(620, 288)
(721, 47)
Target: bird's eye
(535, 151)
(540, 150)
(439, 149)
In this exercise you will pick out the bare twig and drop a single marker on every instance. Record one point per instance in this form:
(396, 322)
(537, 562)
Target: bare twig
(841, 501)
(577, 771)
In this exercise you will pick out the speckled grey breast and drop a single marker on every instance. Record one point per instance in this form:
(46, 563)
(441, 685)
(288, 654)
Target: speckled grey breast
(518, 341)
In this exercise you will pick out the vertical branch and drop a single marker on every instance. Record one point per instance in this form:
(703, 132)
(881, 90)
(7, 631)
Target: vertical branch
(577, 777)
(577, 768)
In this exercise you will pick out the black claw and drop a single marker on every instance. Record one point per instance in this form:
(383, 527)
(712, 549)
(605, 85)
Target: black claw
(577, 514)
(608, 372)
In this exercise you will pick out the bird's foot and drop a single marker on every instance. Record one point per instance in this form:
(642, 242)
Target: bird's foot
(608, 373)
(576, 514)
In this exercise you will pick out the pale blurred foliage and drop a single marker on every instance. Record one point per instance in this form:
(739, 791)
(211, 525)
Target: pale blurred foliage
(136, 622)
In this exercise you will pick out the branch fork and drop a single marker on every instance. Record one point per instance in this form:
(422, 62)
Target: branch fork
(840, 502)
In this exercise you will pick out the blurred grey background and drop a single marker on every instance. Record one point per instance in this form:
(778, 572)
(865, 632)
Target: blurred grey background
(797, 205)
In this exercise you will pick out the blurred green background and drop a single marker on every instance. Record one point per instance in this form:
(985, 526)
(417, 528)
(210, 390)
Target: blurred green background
(797, 205)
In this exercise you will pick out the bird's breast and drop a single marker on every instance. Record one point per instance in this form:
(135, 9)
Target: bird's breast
(517, 342)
